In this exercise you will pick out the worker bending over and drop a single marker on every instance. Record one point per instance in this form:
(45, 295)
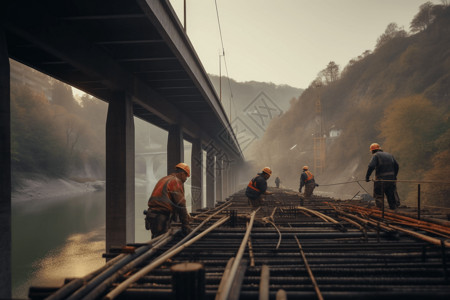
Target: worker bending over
(307, 180)
(386, 168)
(167, 202)
(258, 187)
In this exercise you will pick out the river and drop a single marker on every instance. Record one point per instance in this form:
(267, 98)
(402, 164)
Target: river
(61, 238)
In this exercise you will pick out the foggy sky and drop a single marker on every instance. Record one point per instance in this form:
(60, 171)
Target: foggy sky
(288, 41)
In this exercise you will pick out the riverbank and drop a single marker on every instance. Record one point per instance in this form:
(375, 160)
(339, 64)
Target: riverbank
(40, 187)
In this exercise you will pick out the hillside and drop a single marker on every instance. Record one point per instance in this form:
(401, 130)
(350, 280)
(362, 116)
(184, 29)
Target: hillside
(253, 105)
(398, 95)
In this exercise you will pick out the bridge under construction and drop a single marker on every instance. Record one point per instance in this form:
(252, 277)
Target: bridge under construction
(325, 249)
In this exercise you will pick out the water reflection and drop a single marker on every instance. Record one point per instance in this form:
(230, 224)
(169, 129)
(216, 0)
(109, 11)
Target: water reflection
(56, 239)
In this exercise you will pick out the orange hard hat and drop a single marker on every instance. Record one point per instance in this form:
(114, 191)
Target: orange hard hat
(267, 170)
(375, 146)
(305, 168)
(185, 168)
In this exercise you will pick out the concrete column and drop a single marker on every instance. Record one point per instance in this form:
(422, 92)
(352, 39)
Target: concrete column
(5, 173)
(210, 176)
(196, 174)
(219, 178)
(225, 180)
(120, 152)
(175, 148)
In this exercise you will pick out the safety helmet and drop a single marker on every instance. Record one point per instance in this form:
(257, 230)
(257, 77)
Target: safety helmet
(305, 168)
(267, 170)
(375, 146)
(185, 168)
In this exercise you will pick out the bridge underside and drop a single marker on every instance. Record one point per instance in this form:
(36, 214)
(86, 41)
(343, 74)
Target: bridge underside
(135, 56)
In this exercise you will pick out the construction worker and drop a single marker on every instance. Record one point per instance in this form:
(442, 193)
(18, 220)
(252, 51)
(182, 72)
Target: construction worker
(258, 187)
(306, 180)
(277, 182)
(167, 202)
(386, 168)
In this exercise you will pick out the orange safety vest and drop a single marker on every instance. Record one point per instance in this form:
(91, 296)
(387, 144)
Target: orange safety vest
(310, 176)
(252, 185)
(160, 200)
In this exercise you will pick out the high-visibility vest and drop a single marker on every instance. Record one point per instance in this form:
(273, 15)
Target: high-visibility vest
(309, 176)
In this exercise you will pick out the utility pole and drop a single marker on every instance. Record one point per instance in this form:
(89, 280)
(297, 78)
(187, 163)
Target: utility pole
(185, 16)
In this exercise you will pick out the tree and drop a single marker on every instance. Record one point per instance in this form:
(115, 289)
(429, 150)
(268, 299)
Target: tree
(330, 73)
(392, 31)
(423, 18)
(410, 128)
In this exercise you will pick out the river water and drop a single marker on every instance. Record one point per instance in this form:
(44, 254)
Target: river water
(62, 238)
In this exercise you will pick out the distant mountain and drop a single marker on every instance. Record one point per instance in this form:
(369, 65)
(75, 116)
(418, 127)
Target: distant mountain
(398, 95)
(253, 105)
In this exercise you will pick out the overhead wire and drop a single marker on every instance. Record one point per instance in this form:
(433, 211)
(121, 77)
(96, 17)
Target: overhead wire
(224, 57)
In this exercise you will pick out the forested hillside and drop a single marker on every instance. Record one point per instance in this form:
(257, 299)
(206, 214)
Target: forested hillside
(56, 137)
(397, 95)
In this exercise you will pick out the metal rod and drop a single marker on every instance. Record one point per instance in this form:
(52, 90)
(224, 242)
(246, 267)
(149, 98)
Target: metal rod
(264, 283)
(161, 259)
(311, 275)
(226, 290)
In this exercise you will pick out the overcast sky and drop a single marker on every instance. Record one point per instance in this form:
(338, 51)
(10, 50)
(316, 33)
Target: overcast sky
(288, 41)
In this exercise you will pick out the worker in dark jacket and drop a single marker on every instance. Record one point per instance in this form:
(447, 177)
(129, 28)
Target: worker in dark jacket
(307, 181)
(386, 168)
(167, 202)
(258, 187)
(277, 182)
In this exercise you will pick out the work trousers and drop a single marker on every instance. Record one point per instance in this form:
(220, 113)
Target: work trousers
(159, 223)
(381, 188)
(309, 189)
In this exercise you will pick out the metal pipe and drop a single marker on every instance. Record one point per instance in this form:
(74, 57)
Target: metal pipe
(227, 285)
(161, 259)
(264, 283)
(99, 284)
(114, 263)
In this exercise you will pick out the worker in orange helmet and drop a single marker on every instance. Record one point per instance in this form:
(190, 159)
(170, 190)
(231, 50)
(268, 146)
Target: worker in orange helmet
(307, 181)
(258, 187)
(167, 202)
(386, 168)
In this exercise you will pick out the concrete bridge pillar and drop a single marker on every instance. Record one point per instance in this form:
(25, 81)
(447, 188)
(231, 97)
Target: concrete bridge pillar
(210, 182)
(5, 173)
(225, 180)
(120, 152)
(219, 178)
(175, 148)
(196, 174)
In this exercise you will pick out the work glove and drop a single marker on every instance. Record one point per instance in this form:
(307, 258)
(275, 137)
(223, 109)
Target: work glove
(367, 179)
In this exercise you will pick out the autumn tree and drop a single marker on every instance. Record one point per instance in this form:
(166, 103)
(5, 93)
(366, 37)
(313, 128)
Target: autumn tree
(392, 31)
(423, 18)
(330, 73)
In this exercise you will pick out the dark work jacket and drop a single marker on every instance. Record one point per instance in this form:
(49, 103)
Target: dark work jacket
(304, 179)
(259, 185)
(385, 166)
